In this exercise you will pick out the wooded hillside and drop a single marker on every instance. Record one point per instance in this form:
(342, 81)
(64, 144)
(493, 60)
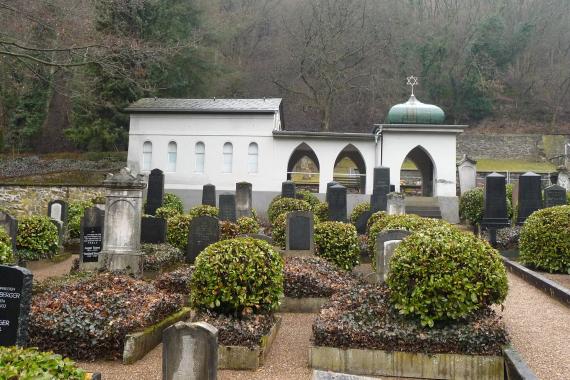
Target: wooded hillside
(69, 67)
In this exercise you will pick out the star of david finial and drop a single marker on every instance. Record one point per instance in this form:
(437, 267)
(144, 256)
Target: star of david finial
(412, 81)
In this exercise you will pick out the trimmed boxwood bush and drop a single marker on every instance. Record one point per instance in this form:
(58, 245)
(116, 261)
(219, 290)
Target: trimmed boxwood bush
(338, 243)
(228, 230)
(278, 230)
(75, 212)
(38, 235)
(158, 257)
(177, 230)
(248, 225)
(177, 281)
(309, 197)
(545, 240)
(173, 202)
(373, 219)
(238, 276)
(443, 274)
(6, 255)
(202, 210)
(284, 205)
(166, 212)
(29, 363)
(471, 205)
(322, 211)
(358, 210)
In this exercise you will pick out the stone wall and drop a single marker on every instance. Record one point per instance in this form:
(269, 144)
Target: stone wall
(22, 201)
(510, 146)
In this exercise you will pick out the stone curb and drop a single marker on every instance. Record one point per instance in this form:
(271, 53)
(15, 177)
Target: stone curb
(302, 305)
(549, 287)
(515, 366)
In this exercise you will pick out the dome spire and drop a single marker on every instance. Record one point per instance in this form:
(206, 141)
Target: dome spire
(412, 81)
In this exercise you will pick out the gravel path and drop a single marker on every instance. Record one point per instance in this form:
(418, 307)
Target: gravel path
(539, 327)
(42, 271)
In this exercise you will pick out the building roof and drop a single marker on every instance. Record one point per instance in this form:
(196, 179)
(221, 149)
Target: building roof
(211, 105)
(415, 112)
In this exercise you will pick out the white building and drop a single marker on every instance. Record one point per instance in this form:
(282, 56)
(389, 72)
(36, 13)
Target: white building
(224, 141)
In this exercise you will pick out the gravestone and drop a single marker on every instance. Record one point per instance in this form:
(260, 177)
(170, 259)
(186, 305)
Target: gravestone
(204, 230)
(58, 210)
(15, 300)
(329, 185)
(337, 203)
(228, 207)
(190, 351)
(553, 178)
(91, 239)
(59, 225)
(10, 225)
(299, 231)
(288, 189)
(530, 195)
(153, 230)
(155, 192)
(396, 204)
(380, 189)
(209, 195)
(467, 171)
(554, 195)
(362, 222)
(563, 179)
(243, 199)
(389, 249)
(495, 212)
(382, 259)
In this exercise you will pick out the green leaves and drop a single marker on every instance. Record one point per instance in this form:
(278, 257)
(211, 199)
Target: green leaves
(20, 363)
(338, 243)
(280, 205)
(39, 235)
(358, 210)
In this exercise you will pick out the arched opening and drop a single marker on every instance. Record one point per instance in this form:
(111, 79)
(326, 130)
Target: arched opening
(350, 169)
(304, 168)
(417, 173)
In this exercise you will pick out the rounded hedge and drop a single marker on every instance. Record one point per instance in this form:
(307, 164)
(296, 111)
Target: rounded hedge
(358, 210)
(38, 235)
(443, 274)
(373, 219)
(4, 237)
(309, 197)
(544, 240)
(177, 230)
(471, 205)
(237, 276)
(248, 225)
(166, 212)
(202, 210)
(228, 230)
(6, 254)
(278, 230)
(322, 211)
(75, 212)
(337, 242)
(173, 202)
(29, 363)
(284, 205)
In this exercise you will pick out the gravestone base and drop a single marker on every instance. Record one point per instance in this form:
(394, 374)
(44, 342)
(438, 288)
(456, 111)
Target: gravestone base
(288, 253)
(132, 263)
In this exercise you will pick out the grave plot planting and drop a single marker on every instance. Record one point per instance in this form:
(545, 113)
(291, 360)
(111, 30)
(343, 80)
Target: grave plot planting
(177, 281)
(160, 257)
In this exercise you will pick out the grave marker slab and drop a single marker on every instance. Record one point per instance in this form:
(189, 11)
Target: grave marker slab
(59, 225)
(299, 231)
(337, 203)
(396, 204)
(329, 185)
(155, 192)
(381, 258)
(190, 352)
(288, 189)
(530, 195)
(58, 210)
(15, 300)
(204, 230)
(10, 225)
(381, 182)
(467, 171)
(243, 199)
(495, 213)
(91, 238)
(554, 195)
(153, 230)
(362, 222)
(228, 207)
(209, 195)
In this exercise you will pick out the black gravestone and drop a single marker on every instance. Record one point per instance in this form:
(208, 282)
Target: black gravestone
(554, 178)
(15, 299)
(58, 210)
(555, 195)
(495, 212)
(288, 189)
(362, 222)
(228, 207)
(380, 190)
(10, 224)
(91, 235)
(209, 195)
(155, 193)
(243, 199)
(299, 231)
(530, 195)
(204, 230)
(337, 203)
(153, 230)
(329, 185)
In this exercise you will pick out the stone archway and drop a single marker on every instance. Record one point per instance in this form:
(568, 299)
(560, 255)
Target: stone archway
(303, 167)
(425, 166)
(350, 169)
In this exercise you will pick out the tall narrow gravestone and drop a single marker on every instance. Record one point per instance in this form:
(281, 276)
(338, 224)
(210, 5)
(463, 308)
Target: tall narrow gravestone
(337, 203)
(228, 207)
(329, 185)
(495, 214)
(243, 199)
(467, 171)
(91, 238)
(10, 225)
(380, 189)
(209, 195)
(190, 352)
(15, 299)
(288, 189)
(554, 195)
(204, 230)
(155, 192)
(299, 232)
(530, 195)
(362, 222)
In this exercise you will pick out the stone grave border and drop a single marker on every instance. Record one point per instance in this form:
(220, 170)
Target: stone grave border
(551, 288)
(302, 305)
(515, 366)
(138, 344)
(55, 259)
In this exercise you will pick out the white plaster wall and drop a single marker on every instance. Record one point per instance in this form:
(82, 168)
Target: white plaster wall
(439, 146)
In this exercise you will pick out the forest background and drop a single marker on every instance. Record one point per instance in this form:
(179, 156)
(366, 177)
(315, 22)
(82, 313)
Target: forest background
(68, 68)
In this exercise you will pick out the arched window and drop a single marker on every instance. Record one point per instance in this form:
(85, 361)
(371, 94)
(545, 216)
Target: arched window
(252, 158)
(228, 157)
(200, 152)
(147, 155)
(172, 147)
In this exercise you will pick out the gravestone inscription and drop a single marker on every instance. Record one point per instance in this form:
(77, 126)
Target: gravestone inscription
(15, 300)
(155, 192)
(204, 230)
(554, 195)
(299, 231)
(209, 195)
(91, 237)
(381, 188)
(227, 207)
(288, 189)
(337, 203)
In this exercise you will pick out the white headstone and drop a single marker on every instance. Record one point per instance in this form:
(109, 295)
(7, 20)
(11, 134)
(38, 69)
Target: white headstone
(467, 169)
(55, 212)
(389, 248)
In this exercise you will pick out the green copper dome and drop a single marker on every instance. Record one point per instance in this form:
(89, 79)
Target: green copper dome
(415, 112)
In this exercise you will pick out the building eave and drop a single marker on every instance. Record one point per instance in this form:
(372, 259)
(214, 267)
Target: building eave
(323, 135)
(431, 128)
